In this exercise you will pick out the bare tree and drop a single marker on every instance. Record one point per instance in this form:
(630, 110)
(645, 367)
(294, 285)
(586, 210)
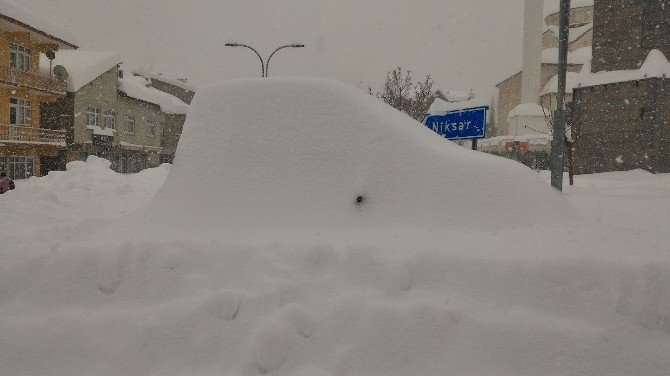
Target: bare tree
(403, 94)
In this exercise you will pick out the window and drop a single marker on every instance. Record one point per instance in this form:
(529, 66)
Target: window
(20, 167)
(19, 57)
(19, 112)
(130, 124)
(93, 117)
(151, 128)
(110, 120)
(3, 163)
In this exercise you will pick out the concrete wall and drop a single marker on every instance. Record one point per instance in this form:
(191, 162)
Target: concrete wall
(172, 129)
(509, 93)
(100, 93)
(626, 30)
(623, 126)
(103, 93)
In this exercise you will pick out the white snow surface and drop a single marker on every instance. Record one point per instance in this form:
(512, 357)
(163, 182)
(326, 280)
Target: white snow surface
(656, 65)
(299, 152)
(14, 10)
(528, 109)
(170, 80)
(83, 66)
(136, 87)
(440, 106)
(571, 82)
(456, 95)
(540, 139)
(87, 287)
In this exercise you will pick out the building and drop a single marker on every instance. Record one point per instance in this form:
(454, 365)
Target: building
(108, 115)
(27, 146)
(546, 82)
(174, 125)
(622, 100)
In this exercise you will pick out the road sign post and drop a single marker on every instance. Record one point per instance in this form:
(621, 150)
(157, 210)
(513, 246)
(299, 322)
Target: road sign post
(466, 124)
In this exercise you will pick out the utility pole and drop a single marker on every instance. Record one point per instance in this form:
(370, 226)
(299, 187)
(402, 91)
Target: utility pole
(558, 143)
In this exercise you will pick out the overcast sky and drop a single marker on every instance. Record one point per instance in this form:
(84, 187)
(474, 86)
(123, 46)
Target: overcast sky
(463, 44)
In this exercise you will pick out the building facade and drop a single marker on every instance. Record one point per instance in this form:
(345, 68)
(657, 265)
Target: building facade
(174, 124)
(623, 100)
(116, 118)
(579, 51)
(27, 145)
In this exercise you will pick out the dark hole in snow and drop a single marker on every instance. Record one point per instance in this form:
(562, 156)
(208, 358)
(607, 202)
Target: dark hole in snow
(360, 200)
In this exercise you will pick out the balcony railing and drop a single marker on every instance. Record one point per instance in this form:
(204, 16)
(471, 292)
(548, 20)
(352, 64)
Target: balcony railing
(31, 80)
(19, 134)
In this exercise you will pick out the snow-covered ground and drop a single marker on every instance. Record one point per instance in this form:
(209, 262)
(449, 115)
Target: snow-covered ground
(108, 274)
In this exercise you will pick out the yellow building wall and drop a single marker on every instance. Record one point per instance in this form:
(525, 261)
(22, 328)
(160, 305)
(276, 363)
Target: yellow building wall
(35, 97)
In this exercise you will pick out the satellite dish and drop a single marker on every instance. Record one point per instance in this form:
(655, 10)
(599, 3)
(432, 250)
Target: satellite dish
(60, 72)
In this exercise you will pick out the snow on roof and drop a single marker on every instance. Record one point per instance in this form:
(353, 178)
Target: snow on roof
(528, 109)
(136, 87)
(454, 95)
(440, 106)
(655, 65)
(170, 80)
(11, 9)
(578, 56)
(534, 139)
(572, 79)
(575, 32)
(553, 6)
(82, 66)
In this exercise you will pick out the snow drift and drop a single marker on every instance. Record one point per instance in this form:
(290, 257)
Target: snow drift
(90, 287)
(317, 155)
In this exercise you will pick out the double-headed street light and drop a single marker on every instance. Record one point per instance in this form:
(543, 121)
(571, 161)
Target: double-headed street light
(264, 66)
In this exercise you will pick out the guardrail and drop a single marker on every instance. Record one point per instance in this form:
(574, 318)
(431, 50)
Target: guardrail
(31, 80)
(16, 133)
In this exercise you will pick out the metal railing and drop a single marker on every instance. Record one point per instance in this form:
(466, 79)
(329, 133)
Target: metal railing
(31, 80)
(15, 133)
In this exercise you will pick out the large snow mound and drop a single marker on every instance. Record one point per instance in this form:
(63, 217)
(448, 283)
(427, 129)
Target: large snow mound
(588, 296)
(296, 153)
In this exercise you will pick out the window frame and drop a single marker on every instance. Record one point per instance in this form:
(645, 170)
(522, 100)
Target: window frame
(20, 166)
(93, 113)
(19, 57)
(151, 128)
(20, 110)
(130, 120)
(109, 119)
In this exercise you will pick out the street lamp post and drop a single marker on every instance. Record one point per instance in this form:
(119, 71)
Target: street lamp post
(267, 64)
(264, 65)
(251, 48)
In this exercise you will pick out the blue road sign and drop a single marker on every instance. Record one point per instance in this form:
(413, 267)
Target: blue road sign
(459, 125)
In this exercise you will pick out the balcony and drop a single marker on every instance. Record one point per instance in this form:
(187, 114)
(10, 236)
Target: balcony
(31, 135)
(31, 80)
